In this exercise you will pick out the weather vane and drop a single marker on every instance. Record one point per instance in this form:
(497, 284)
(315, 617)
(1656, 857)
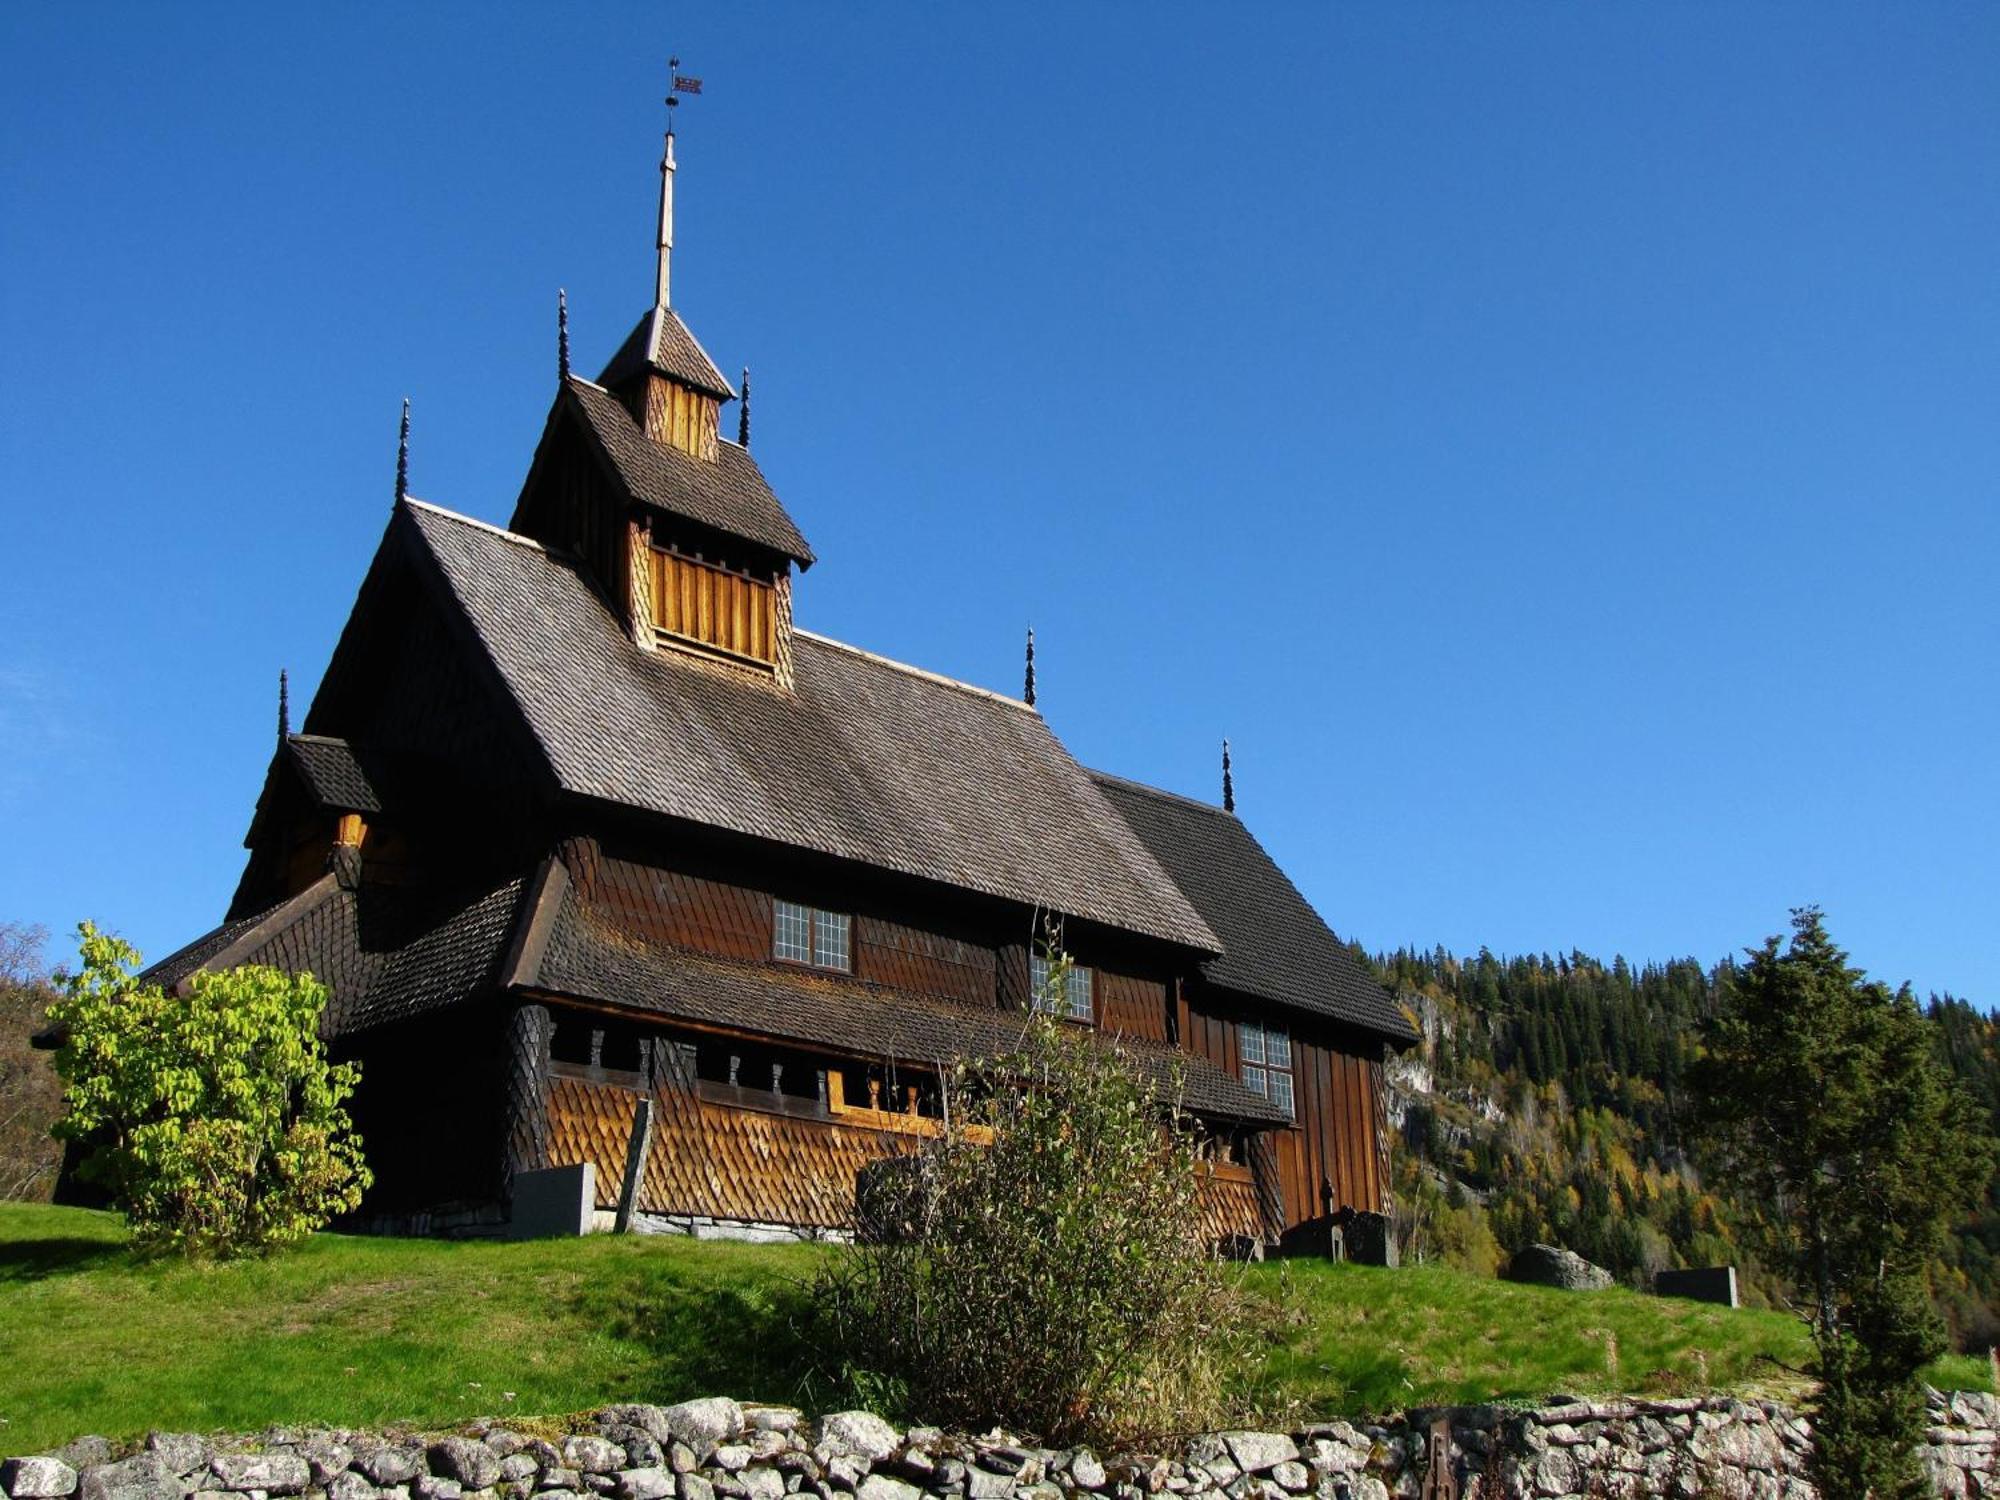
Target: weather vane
(681, 84)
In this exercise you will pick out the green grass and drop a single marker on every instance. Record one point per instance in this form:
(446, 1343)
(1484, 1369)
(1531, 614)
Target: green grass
(372, 1332)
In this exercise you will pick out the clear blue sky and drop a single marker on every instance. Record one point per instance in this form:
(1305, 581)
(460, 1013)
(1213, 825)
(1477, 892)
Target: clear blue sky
(1559, 444)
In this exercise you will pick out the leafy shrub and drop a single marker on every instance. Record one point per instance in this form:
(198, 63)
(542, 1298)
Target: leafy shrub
(213, 1118)
(30, 1096)
(1050, 1277)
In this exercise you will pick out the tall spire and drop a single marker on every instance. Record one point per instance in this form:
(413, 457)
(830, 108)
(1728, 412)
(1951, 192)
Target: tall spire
(666, 244)
(1028, 693)
(562, 334)
(1228, 782)
(403, 455)
(284, 708)
(743, 414)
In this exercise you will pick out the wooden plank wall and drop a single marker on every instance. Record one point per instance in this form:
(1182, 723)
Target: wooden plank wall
(1339, 1131)
(719, 917)
(1131, 1006)
(1336, 1139)
(681, 418)
(914, 958)
(716, 606)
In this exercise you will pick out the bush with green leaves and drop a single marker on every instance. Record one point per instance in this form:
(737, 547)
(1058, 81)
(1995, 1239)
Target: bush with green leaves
(1040, 1263)
(211, 1116)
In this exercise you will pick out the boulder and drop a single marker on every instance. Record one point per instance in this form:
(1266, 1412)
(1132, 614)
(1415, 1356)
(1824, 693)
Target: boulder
(1551, 1265)
(351, 1485)
(592, 1455)
(1085, 1472)
(882, 1487)
(703, 1424)
(37, 1478)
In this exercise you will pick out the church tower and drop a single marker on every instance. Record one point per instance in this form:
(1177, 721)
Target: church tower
(676, 524)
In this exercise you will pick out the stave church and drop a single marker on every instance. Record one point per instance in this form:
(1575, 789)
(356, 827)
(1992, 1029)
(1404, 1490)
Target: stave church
(581, 815)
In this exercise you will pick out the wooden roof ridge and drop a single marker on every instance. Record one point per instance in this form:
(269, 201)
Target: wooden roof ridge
(1148, 789)
(915, 671)
(453, 515)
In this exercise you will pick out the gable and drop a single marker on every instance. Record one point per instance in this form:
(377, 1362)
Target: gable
(1275, 947)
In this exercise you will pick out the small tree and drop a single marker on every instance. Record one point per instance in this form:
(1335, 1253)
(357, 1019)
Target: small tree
(1040, 1263)
(1823, 1103)
(213, 1117)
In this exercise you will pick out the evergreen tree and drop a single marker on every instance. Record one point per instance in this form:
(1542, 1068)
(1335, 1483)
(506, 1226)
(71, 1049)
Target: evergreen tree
(1825, 1107)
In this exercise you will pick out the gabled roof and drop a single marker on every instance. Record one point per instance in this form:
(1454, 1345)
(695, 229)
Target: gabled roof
(1274, 945)
(589, 954)
(332, 773)
(864, 760)
(387, 953)
(728, 494)
(661, 342)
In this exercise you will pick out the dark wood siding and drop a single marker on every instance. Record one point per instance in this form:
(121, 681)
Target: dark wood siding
(912, 958)
(1131, 1005)
(1338, 1088)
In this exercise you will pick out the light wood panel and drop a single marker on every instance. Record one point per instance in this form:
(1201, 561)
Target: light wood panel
(718, 607)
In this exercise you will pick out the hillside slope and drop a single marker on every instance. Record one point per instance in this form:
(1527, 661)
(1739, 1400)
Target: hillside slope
(375, 1331)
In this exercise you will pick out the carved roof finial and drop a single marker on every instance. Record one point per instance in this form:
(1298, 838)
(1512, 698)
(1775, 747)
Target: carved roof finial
(403, 456)
(1228, 782)
(1028, 694)
(284, 709)
(743, 414)
(562, 334)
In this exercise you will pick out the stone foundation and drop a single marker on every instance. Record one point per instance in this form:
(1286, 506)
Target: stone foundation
(714, 1449)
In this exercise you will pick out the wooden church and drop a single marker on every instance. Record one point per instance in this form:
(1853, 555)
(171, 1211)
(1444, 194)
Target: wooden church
(580, 815)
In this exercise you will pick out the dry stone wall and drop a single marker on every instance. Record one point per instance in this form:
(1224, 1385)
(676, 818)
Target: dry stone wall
(716, 1449)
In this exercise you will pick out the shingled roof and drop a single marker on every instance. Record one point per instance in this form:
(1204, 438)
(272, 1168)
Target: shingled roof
(727, 493)
(589, 954)
(332, 773)
(1274, 945)
(865, 759)
(387, 953)
(661, 342)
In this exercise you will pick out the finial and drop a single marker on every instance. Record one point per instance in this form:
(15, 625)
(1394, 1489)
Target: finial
(284, 708)
(562, 334)
(743, 414)
(678, 84)
(1028, 693)
(403, 456)
(1228, 782)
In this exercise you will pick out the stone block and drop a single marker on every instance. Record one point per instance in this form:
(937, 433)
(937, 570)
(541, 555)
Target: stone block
(1715, 1284)
(273, 1473)
(553, 1203)
(183, 1452)
(646, 1484)
(1254, 1452)
(389, 1466)
(472, 1464)
(143, 1477)
(39, 1478)
(860, 1433)
(705, 1424)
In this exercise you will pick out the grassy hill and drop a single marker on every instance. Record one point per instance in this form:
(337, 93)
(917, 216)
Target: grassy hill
(375, 1331)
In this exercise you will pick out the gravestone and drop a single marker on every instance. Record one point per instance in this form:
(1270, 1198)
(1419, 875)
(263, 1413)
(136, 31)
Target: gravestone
(555, 1202)
(1715, 1284)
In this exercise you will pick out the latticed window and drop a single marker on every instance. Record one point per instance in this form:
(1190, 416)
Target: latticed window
(807, 935)
(1075, 1000)
(1266, 1055)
